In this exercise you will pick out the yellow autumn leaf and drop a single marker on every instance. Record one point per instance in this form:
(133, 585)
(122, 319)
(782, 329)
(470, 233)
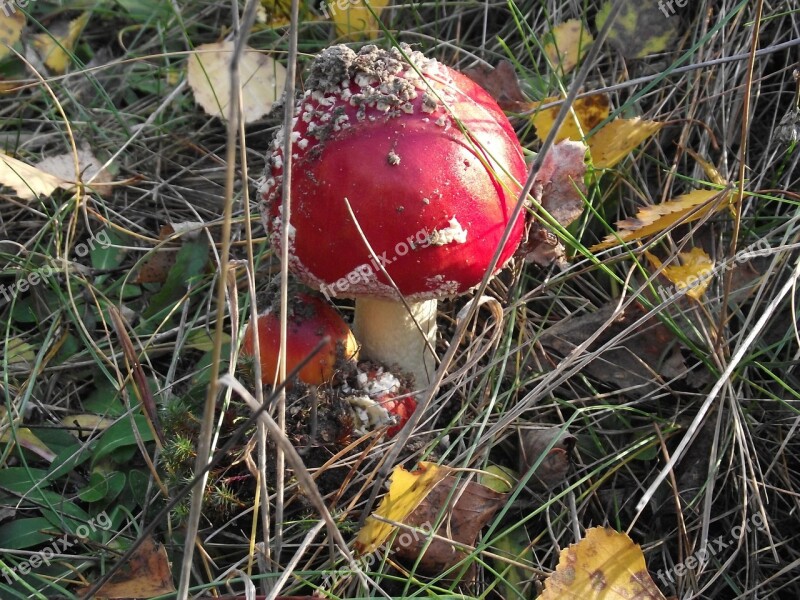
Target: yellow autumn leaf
(262, 80)
(355, 20)
(692, 273)
(610, 144)
(567, 44)
(406, 491)
(618, 138)
(28, 182)
(23, 436)
(86, 424)
(640, 29)
(56, 46)
(10, 29)
(586, 114)
(604, 565)
(651, 220)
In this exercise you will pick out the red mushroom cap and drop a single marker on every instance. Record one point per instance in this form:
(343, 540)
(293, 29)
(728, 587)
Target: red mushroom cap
(383, 133)
(310, 319)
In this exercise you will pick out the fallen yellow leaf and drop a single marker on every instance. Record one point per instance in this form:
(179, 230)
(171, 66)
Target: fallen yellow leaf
(356, 21)
(604, 565)
(406, 491)
(56, 48)
(610, 144)
(262, 80)
(10, 29)
(146, 575)
(567, 44)
(618, 138)
(586, 114)
(86, 424)
(694, 271)
(28, 182)
(659, 217)
(640, 29)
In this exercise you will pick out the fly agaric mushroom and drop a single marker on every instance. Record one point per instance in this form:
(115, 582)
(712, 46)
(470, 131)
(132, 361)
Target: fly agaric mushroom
(431, 169)
(310, 319)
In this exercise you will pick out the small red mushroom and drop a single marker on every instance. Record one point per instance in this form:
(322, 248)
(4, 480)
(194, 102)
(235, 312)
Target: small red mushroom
(310, 319)
(431, 169)
(380, 399)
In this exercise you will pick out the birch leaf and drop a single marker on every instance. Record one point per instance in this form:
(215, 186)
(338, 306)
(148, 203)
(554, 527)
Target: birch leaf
(406, 492)
(56, 46)
(566, 45)
(11, 26)
(604, 564)
(28, 182)
(355, 21)
(261, 77)
(693, 271)
(651, 220)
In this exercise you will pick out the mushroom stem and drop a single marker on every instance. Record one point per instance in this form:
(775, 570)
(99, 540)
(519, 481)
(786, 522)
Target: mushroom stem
(388, 333)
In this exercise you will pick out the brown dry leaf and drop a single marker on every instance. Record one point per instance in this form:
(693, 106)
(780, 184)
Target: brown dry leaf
(502, 84)
(262, 80)
(618, 138)
(355, 21)
(471, 506)
(28, 182)
(560, 189)
(694, 271)
(640, 361)
(559, 186)
(651, 220)
(56, 46)
(63, 167)
(567, 44)
(606, 565)
(11, 26)
(586, 114)
(553, 468)
(406, 491)
(146, 575)
(155, 268)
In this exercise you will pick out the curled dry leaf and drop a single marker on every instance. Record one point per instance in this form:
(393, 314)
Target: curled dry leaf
(553, 468)
(502, 84)
(262, 80)
(468, 506)
(654, 219)
(559, 188)
(604, 564)
(28, 182)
